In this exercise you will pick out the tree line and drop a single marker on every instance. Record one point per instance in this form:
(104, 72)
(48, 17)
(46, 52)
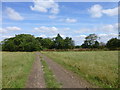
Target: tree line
(27, 42)
(91, 41)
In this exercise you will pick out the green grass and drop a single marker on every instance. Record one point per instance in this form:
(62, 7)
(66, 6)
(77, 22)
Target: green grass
(98, 67)
(16, 67)
(49, 77)
(0, 70)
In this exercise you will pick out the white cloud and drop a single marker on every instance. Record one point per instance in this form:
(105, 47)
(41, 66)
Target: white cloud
(79, 39)
(111, 12)
(69, 20)
(105, 37)
(14, 28)
(12, 14)
(82, 30)
(5, 36)
(46, 30)
(2, 31)
(43, 28)
(42, 35)
(65, 29)
(109, 28)
(51, 31)
(52, 17)
(105, 32)
(7, 29)
(97, 11)
(45, 6)
(111, 34)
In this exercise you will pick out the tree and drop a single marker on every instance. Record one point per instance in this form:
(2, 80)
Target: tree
(59, 42)
(96, 45)
(22, 42)
(27, 42)
(113, 43)
(91, 41)
(47, 43)
(85, 44)
(68, 43)
(77, 46)
(102, 45)
(8, 45)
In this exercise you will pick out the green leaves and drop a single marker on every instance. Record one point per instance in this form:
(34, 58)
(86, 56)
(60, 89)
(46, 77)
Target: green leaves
(22, 42)
(27, 42)
(91, 41)
(113, 43)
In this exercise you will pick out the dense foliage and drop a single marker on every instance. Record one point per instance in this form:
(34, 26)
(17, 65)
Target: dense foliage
(113, 43)
(91, 41)
(27, 42)
(22, 42)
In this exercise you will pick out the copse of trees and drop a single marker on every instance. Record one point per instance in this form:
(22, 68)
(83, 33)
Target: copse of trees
(46, 43)
(61, 43)
(113, 44)
(56, 42)
(91, 41)
(22, 42)
(27, 42)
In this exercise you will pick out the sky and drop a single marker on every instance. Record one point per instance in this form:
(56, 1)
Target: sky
(69, 19)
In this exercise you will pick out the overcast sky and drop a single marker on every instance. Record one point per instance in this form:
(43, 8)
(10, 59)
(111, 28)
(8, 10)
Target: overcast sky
(72, 19)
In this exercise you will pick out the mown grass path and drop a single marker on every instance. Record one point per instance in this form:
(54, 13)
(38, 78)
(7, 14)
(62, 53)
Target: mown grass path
(65, 77)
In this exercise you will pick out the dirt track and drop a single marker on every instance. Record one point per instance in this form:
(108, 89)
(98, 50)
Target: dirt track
(36, 78)
(67, 78)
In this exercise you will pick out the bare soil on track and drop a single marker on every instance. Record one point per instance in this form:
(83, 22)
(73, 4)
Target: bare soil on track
(36, 77)
(67, 78)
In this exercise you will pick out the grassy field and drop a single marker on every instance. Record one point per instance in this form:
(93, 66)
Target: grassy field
(16, 68)
(50, 80)
(0, 70)
(98, 67)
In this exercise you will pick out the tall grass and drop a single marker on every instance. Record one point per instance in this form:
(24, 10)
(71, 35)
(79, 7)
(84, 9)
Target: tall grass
(16, 67)
(0, 69)
(98, 67)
